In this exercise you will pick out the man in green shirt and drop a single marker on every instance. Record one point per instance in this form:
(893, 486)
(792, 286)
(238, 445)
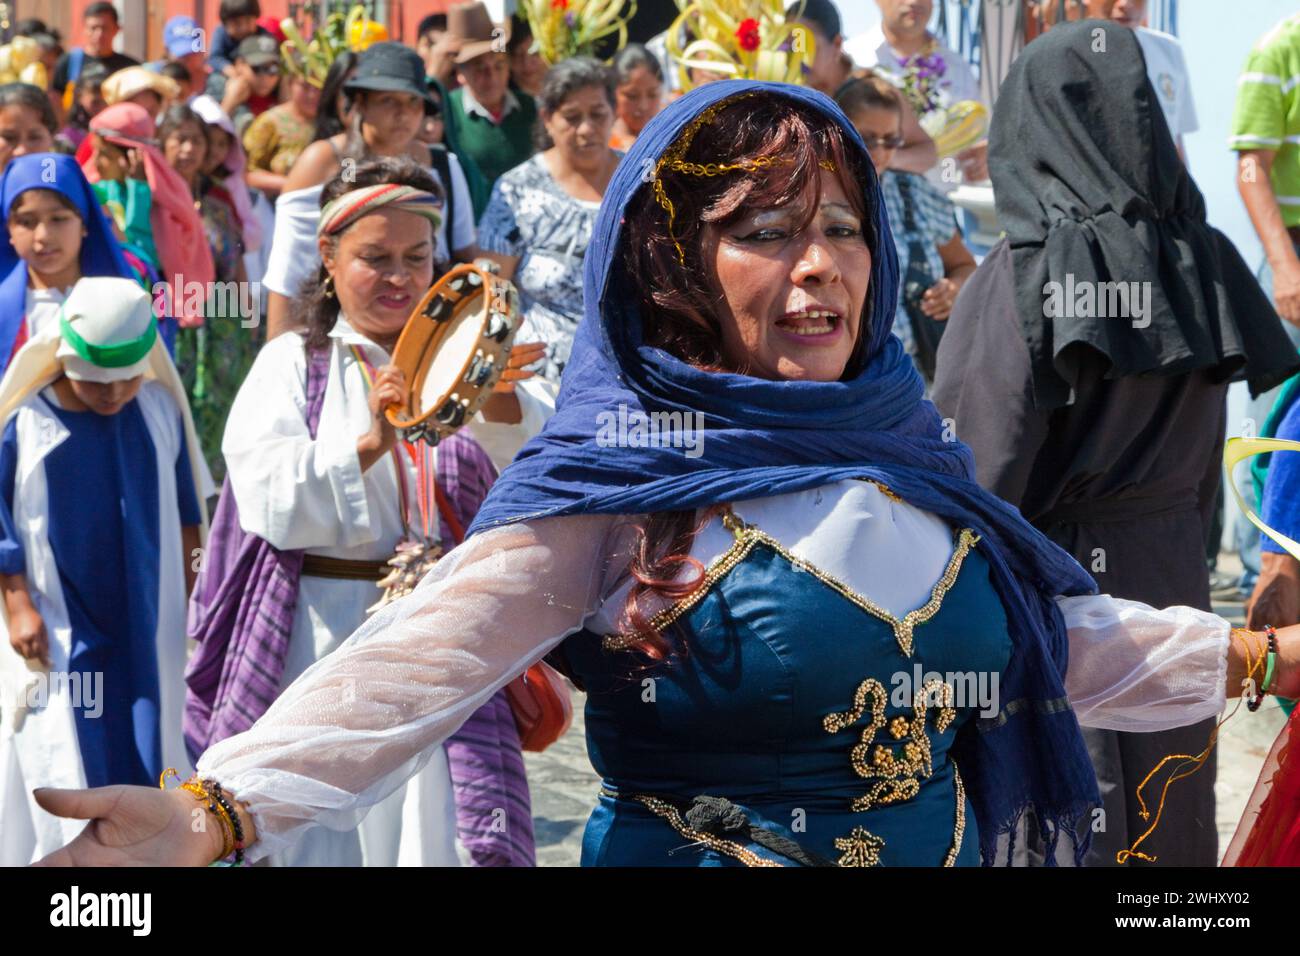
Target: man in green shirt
(490, 123)
(1266, 134)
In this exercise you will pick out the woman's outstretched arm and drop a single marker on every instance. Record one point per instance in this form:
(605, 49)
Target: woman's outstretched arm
(361, 721)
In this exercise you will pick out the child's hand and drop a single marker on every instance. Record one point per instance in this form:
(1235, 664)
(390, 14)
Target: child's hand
(238, 89)
(134, 164)
(27, 635)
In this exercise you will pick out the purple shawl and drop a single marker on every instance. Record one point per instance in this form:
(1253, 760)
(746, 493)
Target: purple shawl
(241, 615)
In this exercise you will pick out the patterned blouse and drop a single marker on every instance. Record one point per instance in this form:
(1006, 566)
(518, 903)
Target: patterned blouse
(933, 222)
(532, 217)
(274, 140)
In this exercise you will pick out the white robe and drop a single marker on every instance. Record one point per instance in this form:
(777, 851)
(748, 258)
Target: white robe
(302, 494)
(38, 747)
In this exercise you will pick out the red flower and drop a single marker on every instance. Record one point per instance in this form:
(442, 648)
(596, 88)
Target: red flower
(559, 4)
(747, 34)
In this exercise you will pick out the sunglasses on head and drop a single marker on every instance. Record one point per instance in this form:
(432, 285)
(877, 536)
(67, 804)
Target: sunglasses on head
(267, 69)
(883, 142)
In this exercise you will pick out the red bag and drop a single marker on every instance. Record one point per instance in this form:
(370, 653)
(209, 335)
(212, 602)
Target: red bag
(539, 699)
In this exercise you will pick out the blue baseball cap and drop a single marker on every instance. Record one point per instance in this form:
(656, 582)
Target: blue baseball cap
(179, 35)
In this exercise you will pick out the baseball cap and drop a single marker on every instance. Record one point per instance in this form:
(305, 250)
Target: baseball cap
(179, 36)
(258, 50)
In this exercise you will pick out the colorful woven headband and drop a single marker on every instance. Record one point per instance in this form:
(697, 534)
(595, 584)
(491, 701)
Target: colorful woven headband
(342, 212)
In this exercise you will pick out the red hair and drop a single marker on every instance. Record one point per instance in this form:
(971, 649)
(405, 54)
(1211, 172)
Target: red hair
(787, 146)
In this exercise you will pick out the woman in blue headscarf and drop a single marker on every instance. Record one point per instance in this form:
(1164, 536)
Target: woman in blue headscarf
(873, 668)
(53, 233)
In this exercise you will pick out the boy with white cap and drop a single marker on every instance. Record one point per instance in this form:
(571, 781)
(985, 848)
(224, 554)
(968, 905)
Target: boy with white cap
(100, 523)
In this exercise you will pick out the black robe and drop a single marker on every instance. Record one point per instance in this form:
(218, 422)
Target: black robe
(1124, 478)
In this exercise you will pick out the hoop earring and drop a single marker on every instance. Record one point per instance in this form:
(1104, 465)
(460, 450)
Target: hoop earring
(328, 288)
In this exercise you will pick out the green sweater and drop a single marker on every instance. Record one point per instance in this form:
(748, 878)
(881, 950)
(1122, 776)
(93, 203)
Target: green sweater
(494, 147)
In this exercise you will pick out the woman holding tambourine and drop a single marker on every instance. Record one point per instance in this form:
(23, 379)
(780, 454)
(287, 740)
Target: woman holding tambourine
(316, 467)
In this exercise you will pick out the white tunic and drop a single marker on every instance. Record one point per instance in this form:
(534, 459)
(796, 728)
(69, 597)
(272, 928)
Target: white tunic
(38, 746)
(298, 493)
(511, 594)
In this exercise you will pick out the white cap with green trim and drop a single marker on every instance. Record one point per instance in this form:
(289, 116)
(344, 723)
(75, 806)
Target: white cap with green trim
(108, 330)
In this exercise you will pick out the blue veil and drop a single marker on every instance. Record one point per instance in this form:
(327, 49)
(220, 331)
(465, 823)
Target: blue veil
(100, 253)
(764, 438)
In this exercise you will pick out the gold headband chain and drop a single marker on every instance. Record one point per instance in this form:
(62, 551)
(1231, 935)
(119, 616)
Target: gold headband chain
(673, 160)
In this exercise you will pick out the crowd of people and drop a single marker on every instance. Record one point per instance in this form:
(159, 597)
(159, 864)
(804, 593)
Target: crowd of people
(209, 261)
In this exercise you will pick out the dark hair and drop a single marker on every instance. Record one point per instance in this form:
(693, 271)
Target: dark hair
(91, 78)
(635, 56)
(230, 9)
(328, 121)
(678, 301)
(869, 92)
(32, 97)
(31, 26)
(47, 42)
(820, 13)
(174, 118)
(63, 199)
(313, 309)
(562, 81)
(176, 70)
(520, 30)
(100, 8)
(434, 21)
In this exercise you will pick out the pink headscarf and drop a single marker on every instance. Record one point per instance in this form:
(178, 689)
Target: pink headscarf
(236, 163)
(178, 234)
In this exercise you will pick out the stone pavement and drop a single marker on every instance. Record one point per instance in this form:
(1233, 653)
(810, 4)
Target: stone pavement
(564, 787)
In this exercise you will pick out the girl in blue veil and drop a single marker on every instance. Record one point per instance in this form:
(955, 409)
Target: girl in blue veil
(806, 635)
(96, 252)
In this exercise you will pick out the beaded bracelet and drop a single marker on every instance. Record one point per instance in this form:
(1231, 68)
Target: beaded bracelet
(209, 792)
(1252, 704)
(233, 816)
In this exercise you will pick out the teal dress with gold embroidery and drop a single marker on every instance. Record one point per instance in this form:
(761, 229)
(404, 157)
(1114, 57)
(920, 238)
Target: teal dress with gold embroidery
(798, 722)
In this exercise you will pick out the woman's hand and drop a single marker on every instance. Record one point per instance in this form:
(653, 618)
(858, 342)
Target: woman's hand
(938, 299)
(134, 826)
(389, 389)
(27, 635)
(516, 370)
(502, 407)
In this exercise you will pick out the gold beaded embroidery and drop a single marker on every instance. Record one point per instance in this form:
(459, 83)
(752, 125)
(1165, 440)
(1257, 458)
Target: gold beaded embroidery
(674, 817)
(959, 825)
(897, 774)
(860, 847)
(748, 536)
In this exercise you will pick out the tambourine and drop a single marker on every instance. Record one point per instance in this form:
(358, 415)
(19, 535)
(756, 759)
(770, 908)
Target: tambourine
(453, 350)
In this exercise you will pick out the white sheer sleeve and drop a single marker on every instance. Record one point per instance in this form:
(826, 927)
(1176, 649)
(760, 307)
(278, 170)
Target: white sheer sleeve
(359, 722)
(1136, 668)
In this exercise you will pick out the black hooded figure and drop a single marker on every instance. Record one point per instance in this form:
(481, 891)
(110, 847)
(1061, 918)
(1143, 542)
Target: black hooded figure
(1087, 362)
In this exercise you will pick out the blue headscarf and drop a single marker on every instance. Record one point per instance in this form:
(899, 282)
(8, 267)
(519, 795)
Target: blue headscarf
(766, 438)
(100, 253)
